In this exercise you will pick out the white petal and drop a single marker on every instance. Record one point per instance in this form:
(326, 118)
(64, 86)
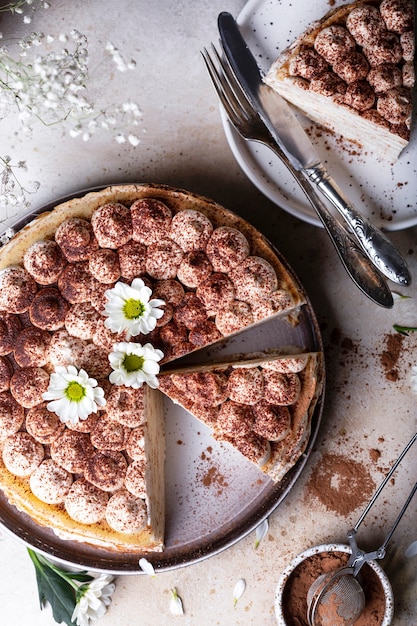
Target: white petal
(175, 604)
(261, 532)
(58, 406)
(239, 590)
(147, 567)
(150, 367)
(116, 377)
(153, 382)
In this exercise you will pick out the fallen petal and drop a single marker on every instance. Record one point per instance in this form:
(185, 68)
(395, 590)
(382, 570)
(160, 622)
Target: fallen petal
(175, 604)
(238, 590)
(147, 567)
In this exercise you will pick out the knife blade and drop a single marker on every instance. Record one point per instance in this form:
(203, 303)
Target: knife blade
(288, 133)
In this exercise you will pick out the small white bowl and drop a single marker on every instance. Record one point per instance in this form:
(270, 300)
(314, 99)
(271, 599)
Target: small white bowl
(331, 547)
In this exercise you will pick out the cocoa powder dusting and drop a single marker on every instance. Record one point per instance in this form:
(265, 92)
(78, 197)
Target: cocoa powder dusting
(391, 354)
(340, 483)
(209, 474)
(294, 599)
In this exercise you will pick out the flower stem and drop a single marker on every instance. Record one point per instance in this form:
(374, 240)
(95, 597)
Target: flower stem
(40, 562)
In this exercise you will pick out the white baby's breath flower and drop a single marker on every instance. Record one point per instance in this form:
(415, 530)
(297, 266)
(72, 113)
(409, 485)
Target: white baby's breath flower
(121, 65)
(12, 191)
(72, 395)
(7, 235)
(147, 567)
(130, 309)
(93, 598)
(133, 140)
(134, 364)
(261, 532)
(239, 590)
(175, 604)
(51, 86)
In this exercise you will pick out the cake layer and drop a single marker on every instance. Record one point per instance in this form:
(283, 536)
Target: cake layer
(353, 73)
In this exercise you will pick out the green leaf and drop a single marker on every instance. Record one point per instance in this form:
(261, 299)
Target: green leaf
(404, 330)
(54, 589)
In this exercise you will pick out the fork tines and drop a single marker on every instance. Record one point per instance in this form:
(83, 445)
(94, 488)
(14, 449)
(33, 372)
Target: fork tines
(227, 87)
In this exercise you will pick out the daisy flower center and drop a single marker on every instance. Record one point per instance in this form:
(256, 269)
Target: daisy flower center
(133, 309)
(133, 362)
(75, 392)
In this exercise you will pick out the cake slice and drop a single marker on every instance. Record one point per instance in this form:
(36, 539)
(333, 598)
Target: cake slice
(260, 404)
(352, 72)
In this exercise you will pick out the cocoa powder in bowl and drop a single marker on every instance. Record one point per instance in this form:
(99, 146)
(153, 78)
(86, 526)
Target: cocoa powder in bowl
(294, 595)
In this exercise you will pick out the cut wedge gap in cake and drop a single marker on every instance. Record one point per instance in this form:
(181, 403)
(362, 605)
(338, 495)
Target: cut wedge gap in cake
(352, 72)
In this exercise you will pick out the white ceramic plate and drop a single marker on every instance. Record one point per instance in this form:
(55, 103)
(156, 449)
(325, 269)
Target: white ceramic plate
(386, 194)
(214, 497)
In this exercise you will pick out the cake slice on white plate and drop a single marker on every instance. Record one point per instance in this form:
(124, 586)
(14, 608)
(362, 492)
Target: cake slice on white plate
(352, 72)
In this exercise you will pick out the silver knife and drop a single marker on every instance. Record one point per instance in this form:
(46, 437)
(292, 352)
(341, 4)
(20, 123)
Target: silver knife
(287, 131)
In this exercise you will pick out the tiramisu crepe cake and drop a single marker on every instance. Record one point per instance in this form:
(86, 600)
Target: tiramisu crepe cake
(95, 295)
(353, 72)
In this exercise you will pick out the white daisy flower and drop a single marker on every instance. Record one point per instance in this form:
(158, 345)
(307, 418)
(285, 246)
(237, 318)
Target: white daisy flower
(134, 364)
(72, 394)
(93, 599)
(130, 309)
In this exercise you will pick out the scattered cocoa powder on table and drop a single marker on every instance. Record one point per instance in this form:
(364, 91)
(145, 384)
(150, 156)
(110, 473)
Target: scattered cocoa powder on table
(340, 483)
(391, 355)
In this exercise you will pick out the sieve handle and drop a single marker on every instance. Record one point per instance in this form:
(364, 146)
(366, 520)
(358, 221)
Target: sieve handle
(359, 557)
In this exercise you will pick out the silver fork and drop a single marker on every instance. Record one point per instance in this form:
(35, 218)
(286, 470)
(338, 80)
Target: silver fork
(250, 127)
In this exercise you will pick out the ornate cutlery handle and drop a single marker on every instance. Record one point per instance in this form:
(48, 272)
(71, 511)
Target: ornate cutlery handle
(363, 273)
(373, 241)
(360, 269)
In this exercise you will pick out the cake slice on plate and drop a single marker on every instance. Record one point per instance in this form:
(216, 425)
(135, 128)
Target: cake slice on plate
(353, 73)
(259, 404)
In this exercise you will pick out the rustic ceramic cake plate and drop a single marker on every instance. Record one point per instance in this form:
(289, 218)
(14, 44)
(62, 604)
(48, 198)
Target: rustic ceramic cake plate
(214, 497)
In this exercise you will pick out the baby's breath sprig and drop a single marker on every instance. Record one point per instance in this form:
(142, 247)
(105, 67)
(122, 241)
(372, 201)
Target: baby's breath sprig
(52, 87)
(20, 7)
(12, 192)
